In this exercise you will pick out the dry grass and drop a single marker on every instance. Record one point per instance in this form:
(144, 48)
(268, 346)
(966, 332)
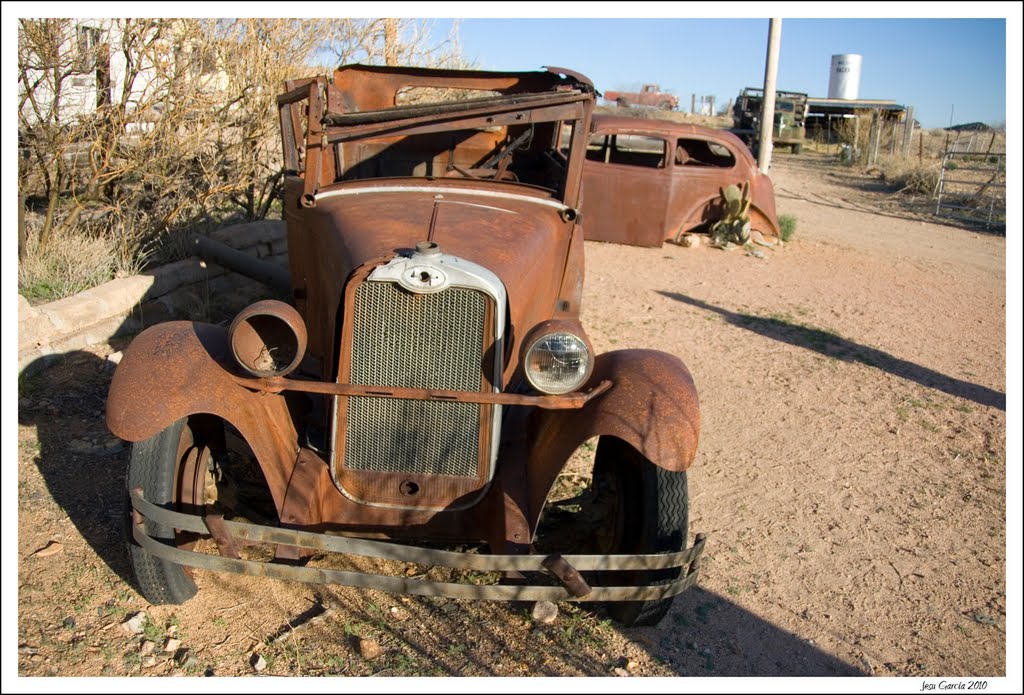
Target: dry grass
(71, 264)
(910, 175)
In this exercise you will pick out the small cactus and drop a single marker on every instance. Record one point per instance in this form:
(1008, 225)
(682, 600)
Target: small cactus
(734, 226)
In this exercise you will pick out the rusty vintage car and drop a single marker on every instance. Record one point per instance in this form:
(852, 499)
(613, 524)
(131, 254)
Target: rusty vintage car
(647, 180)
(429, 377)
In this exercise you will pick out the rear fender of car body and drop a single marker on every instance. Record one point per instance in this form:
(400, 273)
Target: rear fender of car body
(761, 212)
(181, 368)
(652, 405)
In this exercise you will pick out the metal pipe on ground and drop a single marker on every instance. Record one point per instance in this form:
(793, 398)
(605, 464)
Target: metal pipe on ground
(269, 274)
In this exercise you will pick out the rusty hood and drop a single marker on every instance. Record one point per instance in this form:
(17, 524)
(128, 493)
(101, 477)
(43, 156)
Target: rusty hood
(514, 231)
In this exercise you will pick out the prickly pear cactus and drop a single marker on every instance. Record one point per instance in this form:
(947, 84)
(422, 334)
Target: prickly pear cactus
(734, 226)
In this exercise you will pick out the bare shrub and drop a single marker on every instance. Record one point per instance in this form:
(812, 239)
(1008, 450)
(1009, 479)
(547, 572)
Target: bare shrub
(140, 131)
(908, 175)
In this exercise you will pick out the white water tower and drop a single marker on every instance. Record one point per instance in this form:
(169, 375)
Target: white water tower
(844, 77)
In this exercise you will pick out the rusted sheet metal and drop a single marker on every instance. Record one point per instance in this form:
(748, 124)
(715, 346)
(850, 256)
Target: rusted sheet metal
(563, 568)
(648, 180)
(525, 243)
(180, 368)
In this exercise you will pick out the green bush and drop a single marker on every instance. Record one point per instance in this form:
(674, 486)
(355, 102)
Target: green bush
(787, 227)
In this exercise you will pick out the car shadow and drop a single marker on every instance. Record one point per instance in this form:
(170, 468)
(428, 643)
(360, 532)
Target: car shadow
(704, 635)
(832, 345)
(82, 464)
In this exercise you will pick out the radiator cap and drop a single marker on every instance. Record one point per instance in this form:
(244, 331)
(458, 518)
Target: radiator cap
(428, 248)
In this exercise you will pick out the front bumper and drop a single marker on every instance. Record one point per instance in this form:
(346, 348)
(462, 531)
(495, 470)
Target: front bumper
(228, 535)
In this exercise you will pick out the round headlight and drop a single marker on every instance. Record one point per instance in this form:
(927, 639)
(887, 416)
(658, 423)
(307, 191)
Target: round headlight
(557, 363)
(268, 338)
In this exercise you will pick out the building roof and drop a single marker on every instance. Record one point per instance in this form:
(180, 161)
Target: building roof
(825, 105)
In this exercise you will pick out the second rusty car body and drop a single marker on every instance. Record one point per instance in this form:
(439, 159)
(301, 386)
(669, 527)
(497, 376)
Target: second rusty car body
(430, 376)
(648, 180)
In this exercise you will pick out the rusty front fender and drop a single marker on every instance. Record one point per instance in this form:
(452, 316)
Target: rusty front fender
(652, 406)
(177, 369)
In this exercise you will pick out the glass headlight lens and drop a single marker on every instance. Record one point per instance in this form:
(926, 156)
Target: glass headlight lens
(557, 363)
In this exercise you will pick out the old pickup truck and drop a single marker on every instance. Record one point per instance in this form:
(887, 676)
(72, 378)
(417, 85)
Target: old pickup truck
(429, 376)
(649, 95)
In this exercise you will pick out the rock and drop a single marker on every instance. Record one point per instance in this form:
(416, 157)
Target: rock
(632, 665)
(984, 619)
(51, 548)
(258, 663)
(544, 612)
(172, 631)
(185, 658)
(756, 253)
(620, 672)
(27, 650)
(149, 662)
(690, 241)
(147, 648)
(134, 624)
(368, 649)
(172, 644)
(69, 623)
(115, 357)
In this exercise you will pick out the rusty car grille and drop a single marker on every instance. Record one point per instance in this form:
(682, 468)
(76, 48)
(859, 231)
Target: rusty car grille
(431, 341)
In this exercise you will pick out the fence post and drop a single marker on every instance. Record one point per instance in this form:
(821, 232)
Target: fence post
(908, 131)
(873, 137)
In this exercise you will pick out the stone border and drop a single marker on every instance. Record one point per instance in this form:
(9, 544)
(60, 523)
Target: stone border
(127, 305)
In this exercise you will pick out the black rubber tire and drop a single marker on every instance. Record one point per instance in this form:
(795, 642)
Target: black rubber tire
(652, 516)
(154, 467)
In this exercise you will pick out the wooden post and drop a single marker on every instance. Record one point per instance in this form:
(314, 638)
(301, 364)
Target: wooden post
(693, 104)
(874, 137)
(920, 147)
(908, 132)
(391, 41)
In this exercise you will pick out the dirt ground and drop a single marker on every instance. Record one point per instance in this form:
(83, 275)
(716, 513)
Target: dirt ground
(851, 478)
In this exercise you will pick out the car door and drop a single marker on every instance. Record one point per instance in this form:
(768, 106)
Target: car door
(626, 188)
(701, 167)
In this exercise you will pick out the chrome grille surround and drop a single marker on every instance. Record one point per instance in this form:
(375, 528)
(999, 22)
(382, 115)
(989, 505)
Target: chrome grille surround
(418, 321)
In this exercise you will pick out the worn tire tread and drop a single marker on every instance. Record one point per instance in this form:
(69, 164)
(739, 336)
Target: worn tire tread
(152, 467)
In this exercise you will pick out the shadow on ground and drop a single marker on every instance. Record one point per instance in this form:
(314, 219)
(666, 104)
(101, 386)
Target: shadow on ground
(82, 464)
(703, 635)
(83, 467)
(832, 345)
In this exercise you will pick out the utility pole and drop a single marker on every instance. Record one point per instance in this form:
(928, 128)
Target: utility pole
(771, 70)
(391, 42)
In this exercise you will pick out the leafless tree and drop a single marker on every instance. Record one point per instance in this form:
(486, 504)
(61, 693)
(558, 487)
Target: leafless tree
(131, 128)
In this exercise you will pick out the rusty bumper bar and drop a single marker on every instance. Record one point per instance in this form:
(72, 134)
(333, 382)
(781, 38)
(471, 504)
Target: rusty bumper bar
(229, 534)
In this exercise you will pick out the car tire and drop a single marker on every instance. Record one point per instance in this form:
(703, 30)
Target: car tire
(157, 465)
(651, 516)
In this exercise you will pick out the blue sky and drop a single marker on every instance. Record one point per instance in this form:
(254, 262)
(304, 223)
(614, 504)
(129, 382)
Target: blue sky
(934, 65)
